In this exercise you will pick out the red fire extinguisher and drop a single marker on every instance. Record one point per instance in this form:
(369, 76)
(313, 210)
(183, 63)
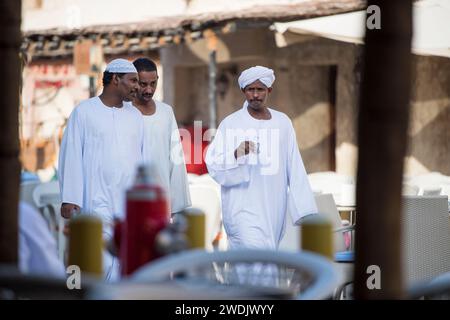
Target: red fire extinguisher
(147, 213)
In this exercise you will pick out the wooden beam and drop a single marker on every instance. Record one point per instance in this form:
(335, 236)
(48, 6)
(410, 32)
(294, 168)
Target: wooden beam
(382, 137)
(10, 41)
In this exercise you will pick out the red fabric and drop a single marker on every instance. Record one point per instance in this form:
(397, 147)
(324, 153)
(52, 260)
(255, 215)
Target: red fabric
(194, 145)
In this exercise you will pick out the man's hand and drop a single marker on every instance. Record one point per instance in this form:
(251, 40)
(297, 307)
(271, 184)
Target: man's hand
(67, 210)
(244, 148)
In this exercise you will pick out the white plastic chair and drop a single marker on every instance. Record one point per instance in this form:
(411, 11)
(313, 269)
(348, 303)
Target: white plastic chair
(347, 195)
(429, 183)
(206, 179)
(192, 178)
(445, 190)
(331, 182)
(46, 198)
(44, 189)
(305, 275)
(431, 178)
(431, 191)
(410, 190)
(26, 192)
(325, 205)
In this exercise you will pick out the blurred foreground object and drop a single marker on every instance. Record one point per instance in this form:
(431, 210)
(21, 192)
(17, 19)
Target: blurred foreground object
(10, 41)
(196, 227)
(172, 239)
(382, 139)
(317, 235)
(147, 213)
(213, 274)
(38, 253)
(86, 244)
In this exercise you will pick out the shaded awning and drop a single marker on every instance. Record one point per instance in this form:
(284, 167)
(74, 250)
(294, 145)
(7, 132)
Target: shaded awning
(431, 27)
(157, 32)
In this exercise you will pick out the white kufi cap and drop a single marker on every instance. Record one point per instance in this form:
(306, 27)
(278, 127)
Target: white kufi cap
(121, 66)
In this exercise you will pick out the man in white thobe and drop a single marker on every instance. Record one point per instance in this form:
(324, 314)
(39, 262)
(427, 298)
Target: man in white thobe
(100, 150)
(255, 158)
(161, 137)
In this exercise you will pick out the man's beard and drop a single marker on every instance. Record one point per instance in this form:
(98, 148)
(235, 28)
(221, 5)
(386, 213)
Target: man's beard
(145, 98)
(255, 104)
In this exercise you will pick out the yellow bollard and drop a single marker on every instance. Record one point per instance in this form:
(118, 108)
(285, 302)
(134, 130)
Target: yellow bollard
(86, 244)
(196, 228)
(317, 235)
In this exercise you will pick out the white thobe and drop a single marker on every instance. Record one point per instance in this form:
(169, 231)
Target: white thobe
(258, 188)
(38, 253)
(100, 151)
(163, 148)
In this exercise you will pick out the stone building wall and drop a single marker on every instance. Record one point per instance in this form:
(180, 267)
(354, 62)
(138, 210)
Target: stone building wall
(317, 87)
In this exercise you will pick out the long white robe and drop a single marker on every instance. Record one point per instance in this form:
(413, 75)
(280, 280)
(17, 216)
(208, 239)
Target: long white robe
(99, 154)
(163, 148)
(257, 188)
(100, 151)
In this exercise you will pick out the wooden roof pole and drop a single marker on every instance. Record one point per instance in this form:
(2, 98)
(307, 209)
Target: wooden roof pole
(10, 40)
(211, 39)
(382, 138)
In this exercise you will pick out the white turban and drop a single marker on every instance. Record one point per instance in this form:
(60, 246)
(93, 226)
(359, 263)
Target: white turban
(120, 66)
(263, 74)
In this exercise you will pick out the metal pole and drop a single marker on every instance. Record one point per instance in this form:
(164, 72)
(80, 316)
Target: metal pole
(92, 87)
(212, 90)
